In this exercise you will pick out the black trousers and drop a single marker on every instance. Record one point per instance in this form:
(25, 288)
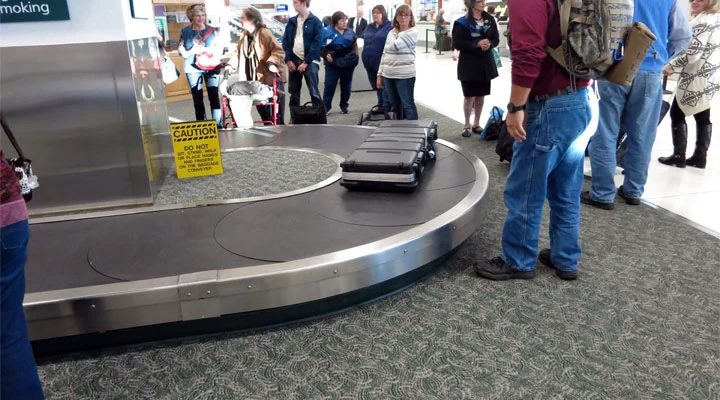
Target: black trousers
(678, 117)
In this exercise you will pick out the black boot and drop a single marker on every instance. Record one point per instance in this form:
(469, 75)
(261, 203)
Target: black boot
(702, 144)
(679, 137)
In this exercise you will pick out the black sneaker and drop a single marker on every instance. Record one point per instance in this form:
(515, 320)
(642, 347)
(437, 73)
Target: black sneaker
(545, 259)
(633, 201)
(344, 110)
(586, 199)
(498, 270)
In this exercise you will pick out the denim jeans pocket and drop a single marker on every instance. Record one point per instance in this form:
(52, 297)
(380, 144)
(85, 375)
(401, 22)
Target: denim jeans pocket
(15, 236)
(566, 120)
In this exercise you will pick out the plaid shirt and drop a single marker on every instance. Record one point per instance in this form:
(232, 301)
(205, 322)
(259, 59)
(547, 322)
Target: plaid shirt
(9, 186)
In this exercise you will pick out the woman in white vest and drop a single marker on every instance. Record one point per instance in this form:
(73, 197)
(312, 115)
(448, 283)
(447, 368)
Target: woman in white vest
(699, 69)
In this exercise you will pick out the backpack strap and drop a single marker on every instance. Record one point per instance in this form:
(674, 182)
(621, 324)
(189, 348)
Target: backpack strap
(564, 7)
(16, 145)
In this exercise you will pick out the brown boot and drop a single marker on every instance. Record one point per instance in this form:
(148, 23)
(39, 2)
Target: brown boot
(679, 136)
(702, 144)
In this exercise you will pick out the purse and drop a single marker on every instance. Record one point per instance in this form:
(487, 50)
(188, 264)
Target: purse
(169, 73)
(207, 61)
(21, 165)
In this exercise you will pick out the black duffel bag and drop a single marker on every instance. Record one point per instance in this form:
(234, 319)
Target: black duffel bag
(309, 113)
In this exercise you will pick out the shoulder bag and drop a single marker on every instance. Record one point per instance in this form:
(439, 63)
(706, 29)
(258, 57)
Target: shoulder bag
(207, 61)
(21, 165)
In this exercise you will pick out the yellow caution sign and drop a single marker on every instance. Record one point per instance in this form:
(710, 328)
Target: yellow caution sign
(197, 149)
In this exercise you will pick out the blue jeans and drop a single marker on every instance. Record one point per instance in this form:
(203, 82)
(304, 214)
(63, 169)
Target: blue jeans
(295, 79)
(334, 74)
(548, 164)
(402, 97)
(383, 100)
(18, 373)
(640, 104)
(212, 81)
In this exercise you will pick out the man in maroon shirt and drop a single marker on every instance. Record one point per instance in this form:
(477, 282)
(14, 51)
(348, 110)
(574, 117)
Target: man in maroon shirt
(549, 121)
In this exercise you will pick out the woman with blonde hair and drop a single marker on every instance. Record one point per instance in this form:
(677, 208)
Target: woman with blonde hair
(397, 65)
(699, 69)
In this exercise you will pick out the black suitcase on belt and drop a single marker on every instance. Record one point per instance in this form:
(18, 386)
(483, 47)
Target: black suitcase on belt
(422, 123)
(383, 169)
(407, 131)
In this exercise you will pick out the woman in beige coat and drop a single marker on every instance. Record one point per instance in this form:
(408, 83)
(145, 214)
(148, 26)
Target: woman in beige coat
(699, 69)
(261, 58)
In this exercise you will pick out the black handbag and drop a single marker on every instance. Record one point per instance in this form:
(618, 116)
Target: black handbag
(309, 113)
(21, 165)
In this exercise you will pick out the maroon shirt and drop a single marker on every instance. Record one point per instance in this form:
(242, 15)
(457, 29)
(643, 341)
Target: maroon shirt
(534, 25)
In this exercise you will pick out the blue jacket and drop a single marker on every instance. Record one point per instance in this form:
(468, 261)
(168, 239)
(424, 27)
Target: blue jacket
(374, 44)
(666, 19)
(312, 38)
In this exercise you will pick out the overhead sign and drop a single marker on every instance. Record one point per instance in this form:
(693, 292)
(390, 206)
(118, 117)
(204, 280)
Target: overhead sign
(197, 149)
(281, 7)
(33, 11)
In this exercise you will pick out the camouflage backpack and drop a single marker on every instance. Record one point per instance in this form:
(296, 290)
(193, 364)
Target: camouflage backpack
(593, 35)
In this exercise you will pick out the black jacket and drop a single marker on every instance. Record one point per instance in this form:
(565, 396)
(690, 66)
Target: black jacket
(361, 27)
(475, 64)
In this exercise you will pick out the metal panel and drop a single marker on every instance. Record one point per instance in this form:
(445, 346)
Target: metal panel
(74, 111)
(259, 287)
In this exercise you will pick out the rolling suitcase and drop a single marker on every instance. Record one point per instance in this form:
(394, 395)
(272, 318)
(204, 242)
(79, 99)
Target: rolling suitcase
(423, 123)
(383, 169)
(405, 131)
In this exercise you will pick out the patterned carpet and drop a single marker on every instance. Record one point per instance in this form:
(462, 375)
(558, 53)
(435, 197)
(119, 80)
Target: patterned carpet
(250, 173)
(641, 322)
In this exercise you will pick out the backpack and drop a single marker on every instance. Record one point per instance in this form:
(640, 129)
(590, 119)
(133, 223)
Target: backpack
(593, 35)
(492, 127)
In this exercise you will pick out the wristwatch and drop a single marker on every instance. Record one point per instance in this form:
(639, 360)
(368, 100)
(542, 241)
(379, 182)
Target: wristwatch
(512, 108)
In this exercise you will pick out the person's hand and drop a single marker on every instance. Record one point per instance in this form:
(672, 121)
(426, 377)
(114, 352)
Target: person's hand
(484, 45)
(379, 82)
(514, 123)
(291, 66)
(302, 67)
(667, 73)
(329, 58)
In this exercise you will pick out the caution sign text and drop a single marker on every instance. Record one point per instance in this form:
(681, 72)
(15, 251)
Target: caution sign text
(197, 149)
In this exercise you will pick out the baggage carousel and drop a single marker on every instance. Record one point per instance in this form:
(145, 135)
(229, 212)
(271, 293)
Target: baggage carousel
(281, 242)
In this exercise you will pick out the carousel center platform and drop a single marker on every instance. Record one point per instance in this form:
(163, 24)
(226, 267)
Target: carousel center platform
(274, 239)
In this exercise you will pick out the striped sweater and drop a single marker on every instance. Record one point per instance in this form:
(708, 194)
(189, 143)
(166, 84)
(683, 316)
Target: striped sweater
(398, 59)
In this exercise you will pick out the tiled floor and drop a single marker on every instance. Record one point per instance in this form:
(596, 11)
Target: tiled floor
(689, 193)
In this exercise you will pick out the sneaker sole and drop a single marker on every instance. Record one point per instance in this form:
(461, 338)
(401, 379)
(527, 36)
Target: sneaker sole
(599, 204)
(505, 277)
(564, 275)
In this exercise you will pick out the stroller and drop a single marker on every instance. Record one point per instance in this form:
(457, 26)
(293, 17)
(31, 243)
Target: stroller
(239, 98)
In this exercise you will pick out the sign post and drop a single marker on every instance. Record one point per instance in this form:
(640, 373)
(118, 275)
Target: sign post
(197, 149)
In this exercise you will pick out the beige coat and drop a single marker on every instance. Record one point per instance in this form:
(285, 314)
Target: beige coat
(698, 65)
(270, 51)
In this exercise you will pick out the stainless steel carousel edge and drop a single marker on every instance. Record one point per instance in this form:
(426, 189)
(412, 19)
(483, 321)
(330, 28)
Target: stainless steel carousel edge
(215, 293)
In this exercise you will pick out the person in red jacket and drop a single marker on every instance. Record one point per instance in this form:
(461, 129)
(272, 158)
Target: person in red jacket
(18, 373)
(549, 121)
